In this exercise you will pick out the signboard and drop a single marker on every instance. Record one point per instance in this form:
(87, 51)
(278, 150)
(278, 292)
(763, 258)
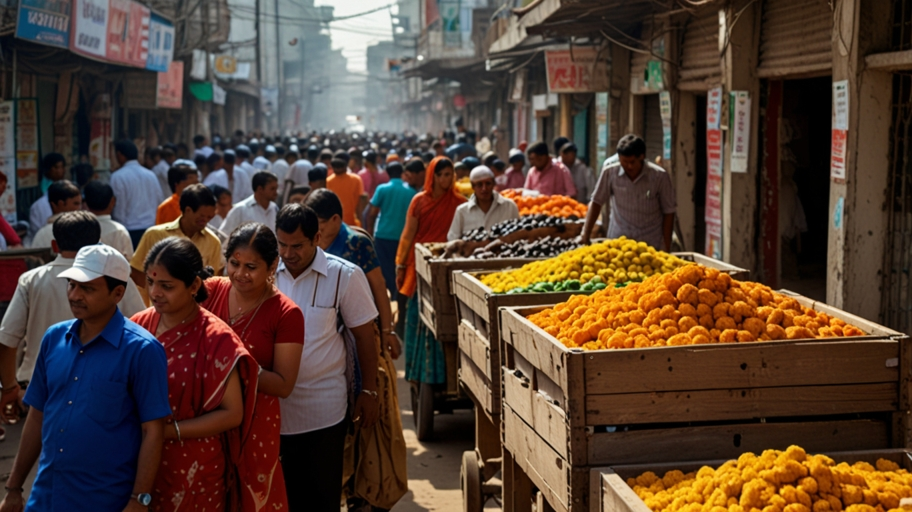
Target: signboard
(449, 17)
(171, 86)
(27, 143)
(90, 28)
(576, 71)
(601, 123)
(161, 44)
(665, 111)
(740, 132)
(44, 21)
(713, 215)
(840, 130)
(219, 95)
(225, 64)
(128, 33)
(8, 161)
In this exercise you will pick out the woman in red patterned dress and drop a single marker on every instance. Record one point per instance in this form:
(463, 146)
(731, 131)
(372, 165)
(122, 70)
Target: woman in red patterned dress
(212, 383)
(272, 328)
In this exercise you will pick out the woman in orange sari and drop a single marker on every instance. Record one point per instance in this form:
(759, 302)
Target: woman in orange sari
(428, 220)
(212, 382)
(272, 328)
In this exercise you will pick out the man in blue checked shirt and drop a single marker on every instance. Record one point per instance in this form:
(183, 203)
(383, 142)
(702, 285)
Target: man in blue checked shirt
(98, 396)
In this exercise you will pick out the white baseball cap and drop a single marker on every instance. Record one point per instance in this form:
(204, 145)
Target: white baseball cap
(94, 261)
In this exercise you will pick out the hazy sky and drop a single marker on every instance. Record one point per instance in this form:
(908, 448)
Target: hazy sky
(353, 36)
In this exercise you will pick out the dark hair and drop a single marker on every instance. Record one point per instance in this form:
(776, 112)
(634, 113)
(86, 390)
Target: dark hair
(213, 159)
(539, 148)
(218, 191)
(631, 145)
(280, 150)
(182, 260)
(256, 236)
(318, 173)
(181, 146)
(254, 147)
(339, 164)
(241, 152)
(568, 147)
(50, 160)
(114, 283)
(178, 174)
(196, 196)
(442, 165)
(293, 216)
(75, 230)
(153, 152)
(167, 152)
(427, 156)
(126, 148)
(82, 173)
(415, 166)
(342, 155)
(61, 191)
(98, 195)
(325, 203)
(198, 139)
(230, 157)
(489, 160)
(518, 157)
(559, 144)
(499, 165)
(200, 161)
(263, 178)
(394, 170)
(313, 152)
(370, 157)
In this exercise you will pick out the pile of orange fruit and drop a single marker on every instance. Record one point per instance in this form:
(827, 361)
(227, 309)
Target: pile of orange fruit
(556, 206)
(691, 305)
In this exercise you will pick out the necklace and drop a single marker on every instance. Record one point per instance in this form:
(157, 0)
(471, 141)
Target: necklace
(241, 312)
(165, 328)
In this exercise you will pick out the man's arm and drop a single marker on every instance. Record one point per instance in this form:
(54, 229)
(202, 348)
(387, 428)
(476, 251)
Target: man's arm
(367, 406)
(455, 232)
(667, 227)
(591, 217)
(381, 299)
(372, 219)
(29, 450)
(149, 459)
(12, 331)
(362, 205)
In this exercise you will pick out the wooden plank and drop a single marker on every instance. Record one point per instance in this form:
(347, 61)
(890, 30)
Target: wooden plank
(862, 323)
(487, 438)
(739, 404)
(903, 427)
(738, 273)
(476, 348)
(534, 409)
(617, 496)
(517, 488)
(534, 344)
(547, 470)
(890, 61)
(474, 380)
(730, 441)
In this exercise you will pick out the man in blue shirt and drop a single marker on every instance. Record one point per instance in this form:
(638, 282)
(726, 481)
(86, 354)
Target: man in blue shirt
(391, 202)
(98, 396)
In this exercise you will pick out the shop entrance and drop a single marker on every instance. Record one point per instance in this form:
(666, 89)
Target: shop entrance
(804, 185)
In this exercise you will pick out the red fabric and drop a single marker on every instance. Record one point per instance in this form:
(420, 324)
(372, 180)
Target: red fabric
(278, 320)
(202, 474)
(7, 232)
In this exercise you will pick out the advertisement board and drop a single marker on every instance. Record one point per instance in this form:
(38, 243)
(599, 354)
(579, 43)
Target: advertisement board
(45, 21)
(161, 44)
(171, 87)
(576, 71)
(90, 28)
(128, 33)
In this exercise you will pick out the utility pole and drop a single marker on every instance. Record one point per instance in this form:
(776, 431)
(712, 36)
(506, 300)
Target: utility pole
(259, 60)
(279, 84)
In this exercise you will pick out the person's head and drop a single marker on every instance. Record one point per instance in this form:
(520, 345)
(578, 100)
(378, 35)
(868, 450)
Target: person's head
(394, 170)
(3, 182)
(568, 154)
(254, 147)
(229, 160)
(631, 151)
(313, 153)
(316, 177)
(414, 173)
(298, 194)
(559, 144)
(54, 166)
(73, 231)
(297, 232)
(462, 170)
(517, 160)
(427, 156)
(202, 163)
(252, 254)
(174, 276)
(83, 174)
(326, 156)
(199, 141)
(439, 148)
(270, 153)
(370, 159)
(482, 180)
(181, 177)
(339, 166)
(197, 204)
(125, 150)
(355, 160)
(64, 196)
(325, 203)
(538, 155)
(99, 197)
(96, 282)
(443, 175)
(488, 159)
(265, 186)
(498, 166)
(243, 152)
(223, 202)
(182, 150)
(292, 155)
(152, 157)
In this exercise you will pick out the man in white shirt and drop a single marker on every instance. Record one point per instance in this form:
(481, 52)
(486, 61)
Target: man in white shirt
(485, 208)
(314, 420)
(168, 156)
(63, 196)
(202, 148)
(232, 177)
(54, 167)
(279, 166)
(260, 207)
(100, 200)
(243, 159)
(297, 174)
(137, 191)
(264, 162)
(40, 301)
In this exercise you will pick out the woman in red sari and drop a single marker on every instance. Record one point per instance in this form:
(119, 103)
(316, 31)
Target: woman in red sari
(428, 220)
(212, 383)
(272, 328)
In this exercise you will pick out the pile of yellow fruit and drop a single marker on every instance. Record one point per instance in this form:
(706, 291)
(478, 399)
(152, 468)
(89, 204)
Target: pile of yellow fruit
(776, 481)
(692, 305)
(613, 261)
(464, 187)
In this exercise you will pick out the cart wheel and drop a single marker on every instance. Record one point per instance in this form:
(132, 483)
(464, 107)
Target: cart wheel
(424, 416)
(470, 481)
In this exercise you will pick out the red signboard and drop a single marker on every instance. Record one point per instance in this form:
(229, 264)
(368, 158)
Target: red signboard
(714, 174)
(579, 70)
(171, 86)
(128, 33)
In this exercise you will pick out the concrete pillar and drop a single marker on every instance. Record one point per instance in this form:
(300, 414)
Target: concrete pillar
(856, 249)
(741, 43)
(684, 140)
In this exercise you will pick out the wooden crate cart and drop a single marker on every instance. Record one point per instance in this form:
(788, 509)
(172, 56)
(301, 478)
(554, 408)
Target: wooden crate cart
(480, 367)
(568, 411)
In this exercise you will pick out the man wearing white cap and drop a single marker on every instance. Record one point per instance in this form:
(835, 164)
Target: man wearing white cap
(98, 397)
(485, 208)
(264, 163)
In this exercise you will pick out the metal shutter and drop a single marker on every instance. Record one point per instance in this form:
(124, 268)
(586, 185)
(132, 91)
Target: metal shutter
(652, 126)
(638, 63)
(795, 38)
(700, 62)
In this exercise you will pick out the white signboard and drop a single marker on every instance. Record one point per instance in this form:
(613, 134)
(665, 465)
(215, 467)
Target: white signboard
(90, 27)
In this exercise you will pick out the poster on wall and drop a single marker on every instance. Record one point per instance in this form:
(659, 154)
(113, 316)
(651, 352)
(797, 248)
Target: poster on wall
(713, 215)
(161, 44)
(601, 122)
(449, 17)
(171, 86)
(840, 131)
(575, 71)
(740, 107)
(44, 21)
(665, 111)
(27, 149)
(128, 33)
(8, 161)
(90, 28)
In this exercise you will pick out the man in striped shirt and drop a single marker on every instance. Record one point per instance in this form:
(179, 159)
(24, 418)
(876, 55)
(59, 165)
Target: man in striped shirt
(643, 206)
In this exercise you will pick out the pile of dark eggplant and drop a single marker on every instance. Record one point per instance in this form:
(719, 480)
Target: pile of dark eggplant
(546, 247)
(511, 226)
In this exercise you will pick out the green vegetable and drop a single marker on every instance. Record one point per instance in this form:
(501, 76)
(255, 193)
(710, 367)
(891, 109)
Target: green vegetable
(573, 284)
(600, 286)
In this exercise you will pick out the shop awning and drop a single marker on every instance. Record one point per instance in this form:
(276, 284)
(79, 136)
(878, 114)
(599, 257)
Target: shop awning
(454, 69)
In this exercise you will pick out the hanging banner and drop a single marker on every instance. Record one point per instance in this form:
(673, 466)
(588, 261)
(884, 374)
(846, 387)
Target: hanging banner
(601, 123)
(171, 86)
(218, 94)
(665, 111)
(8, 161)
(576, 71)
(44, 21)
(840, 131)
(449, 16)
(713, 215)
(90, 28)
(161, 44)
(27, 143)
(128, 33)
(740, 133)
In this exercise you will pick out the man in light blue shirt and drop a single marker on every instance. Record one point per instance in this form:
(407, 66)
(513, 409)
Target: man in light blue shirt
(391, 202)
(137, 191)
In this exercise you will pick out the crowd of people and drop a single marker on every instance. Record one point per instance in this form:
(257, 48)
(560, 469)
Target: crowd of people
(222, 319)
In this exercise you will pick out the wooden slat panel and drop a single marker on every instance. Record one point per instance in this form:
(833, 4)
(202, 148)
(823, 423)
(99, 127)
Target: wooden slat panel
(795, 37)
(617, 496)
(535, 345)
(739, 404)
(700, 60)
(545, 467)
(546, 419)
(474, 380)
(476, 348)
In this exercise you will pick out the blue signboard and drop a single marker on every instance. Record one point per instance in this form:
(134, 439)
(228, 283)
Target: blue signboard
(161, 44)
(45, 21)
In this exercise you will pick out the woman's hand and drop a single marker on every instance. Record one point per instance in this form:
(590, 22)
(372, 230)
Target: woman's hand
(392, 344)
(400, 277)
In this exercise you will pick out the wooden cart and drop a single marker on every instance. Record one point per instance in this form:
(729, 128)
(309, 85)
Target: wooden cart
(568, 411)
(480, 367)
(609, 491)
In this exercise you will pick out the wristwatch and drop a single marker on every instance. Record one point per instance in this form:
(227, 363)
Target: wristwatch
(144, 499)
